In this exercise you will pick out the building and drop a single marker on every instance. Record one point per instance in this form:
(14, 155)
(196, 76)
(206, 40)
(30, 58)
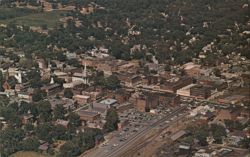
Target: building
(81, 77)
(109, 102)
(192, 70)
(172, 85)
(88, 115)
(169, 99)
(123, 107)
(144, 103)
(200, 92)
(185, 91)
(81, 99)
(129, 79)
(53, 88)
(120, 95)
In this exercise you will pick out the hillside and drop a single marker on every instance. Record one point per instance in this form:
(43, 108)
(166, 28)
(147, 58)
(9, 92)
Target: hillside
(168, 29)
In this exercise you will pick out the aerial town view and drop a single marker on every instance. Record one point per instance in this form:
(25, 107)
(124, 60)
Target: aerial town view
(124, 78)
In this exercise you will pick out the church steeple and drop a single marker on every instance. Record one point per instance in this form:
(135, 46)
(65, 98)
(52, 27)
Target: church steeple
(85, 75)
(85, 70)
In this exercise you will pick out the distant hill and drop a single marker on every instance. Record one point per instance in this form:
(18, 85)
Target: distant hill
(176, 30)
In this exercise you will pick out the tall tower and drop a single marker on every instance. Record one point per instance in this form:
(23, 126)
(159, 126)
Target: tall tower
(18, 76)
(85, 75)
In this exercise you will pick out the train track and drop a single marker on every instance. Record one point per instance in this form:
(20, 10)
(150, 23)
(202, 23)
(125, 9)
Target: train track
(127, 145)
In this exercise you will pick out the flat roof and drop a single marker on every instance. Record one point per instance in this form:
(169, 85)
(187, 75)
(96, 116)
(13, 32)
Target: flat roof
(178, 135)
(108, 101)
(87, 113)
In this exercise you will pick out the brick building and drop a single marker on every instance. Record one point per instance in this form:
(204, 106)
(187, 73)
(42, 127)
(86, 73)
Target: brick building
(200, 92)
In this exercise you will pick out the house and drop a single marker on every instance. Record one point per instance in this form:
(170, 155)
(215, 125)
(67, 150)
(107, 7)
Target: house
(81, 99)
(27, 118)
(62, 122)
(205, 153)
(234, 138)
(25, 96)
(44, 146)
(184, 149)
(52, 88)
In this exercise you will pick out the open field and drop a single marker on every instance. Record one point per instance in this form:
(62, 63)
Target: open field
(51, 19)
(29, 154)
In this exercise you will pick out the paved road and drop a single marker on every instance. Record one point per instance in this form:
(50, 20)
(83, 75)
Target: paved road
(103, 152)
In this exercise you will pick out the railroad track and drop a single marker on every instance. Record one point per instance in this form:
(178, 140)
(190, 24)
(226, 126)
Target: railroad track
(126, 146)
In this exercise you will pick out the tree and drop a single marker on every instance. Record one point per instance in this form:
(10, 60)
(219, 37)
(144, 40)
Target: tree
(217, 72)
(69, 149)
(245, 143)
(218, 132)
(74, 121)
(1, 81)
(37, 95)
(30, 144)
(44, 111)
(59, 112)
(68, 93)
(59, 132)
(10, 141)
(202, 134)
(24, 107)
(112, 120)
(29, 127)
(112, 82)
(43, 132)
(233, 125)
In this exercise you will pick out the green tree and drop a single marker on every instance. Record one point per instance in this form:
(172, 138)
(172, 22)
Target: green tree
(68, 93)
(30, 144)
(1, 81)
(218, 133)
(44, 111)
(59, 112)
(112, 82)
(43, 132)
(10, 141)
(37, 95)
(245, 143)
(74, 121)
(59, 132)
(69, 149)
(112, 120)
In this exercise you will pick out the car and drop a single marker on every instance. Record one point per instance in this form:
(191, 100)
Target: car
(126, 129)
(115, 145)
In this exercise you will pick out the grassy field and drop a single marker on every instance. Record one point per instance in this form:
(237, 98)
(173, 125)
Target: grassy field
(51, 19)
(28, 154)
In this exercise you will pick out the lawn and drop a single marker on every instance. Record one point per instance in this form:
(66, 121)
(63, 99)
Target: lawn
(51, 19)
(28, 154)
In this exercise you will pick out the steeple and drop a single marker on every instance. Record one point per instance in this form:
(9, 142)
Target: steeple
(49, 65)
(52, 80)
(85, 70)
(84, 75)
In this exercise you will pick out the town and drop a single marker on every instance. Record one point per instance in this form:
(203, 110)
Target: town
(57, 99)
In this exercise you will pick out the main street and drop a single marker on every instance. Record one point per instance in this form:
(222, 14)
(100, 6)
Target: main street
(132, 139)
